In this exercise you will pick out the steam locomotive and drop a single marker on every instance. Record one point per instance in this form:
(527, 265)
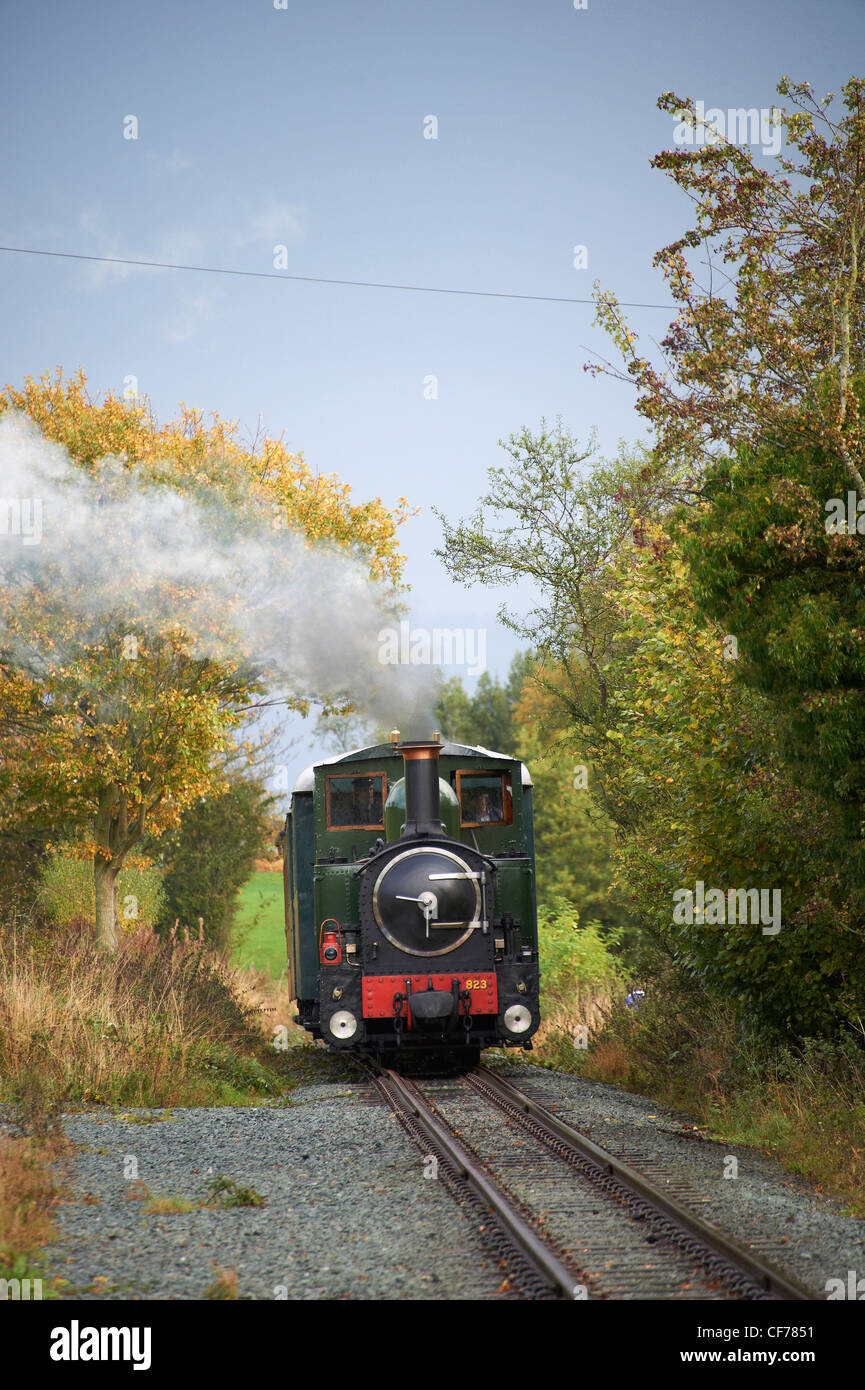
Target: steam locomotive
(410, 908)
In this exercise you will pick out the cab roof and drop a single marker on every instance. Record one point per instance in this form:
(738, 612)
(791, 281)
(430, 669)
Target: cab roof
(306, 779)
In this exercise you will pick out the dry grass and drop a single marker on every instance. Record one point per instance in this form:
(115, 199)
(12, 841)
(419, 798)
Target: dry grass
(269, 1002)
(159, 1023)
(28, 1196)
(224, 1285)
(585, 1007)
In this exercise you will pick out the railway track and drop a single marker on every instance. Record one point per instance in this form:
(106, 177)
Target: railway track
(564, 1218)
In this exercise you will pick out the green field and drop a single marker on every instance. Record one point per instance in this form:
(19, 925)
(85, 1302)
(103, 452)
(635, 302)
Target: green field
(259, 931)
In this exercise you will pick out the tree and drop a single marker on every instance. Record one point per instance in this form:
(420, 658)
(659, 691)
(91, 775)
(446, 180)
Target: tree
(554, 517)
(758, 397)
(346, 732)
(685, 763)
(486, 718)
(560, 517)
(122, 677)
(768, 565)
(768, 347)
(210, 855)
(574, 838)
(695, 772)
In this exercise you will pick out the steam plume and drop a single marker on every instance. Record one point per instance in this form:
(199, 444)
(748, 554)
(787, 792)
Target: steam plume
(121, 551)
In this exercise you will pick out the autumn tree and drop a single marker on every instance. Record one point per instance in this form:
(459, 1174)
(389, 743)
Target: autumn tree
(770, 330)
(121, 694)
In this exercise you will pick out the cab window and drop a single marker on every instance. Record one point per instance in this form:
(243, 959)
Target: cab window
(485, 798)
(356, 802)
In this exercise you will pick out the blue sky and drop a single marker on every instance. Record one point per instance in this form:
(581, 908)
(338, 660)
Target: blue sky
(305, 127)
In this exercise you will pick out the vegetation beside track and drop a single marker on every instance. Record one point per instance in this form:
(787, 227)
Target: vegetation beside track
(800, 1104)
(160, 1024)
(28, 1195)
(698, 656)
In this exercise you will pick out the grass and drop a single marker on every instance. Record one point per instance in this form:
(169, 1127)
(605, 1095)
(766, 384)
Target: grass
(160, 1024)
(66, 893)
(164, 1205)
(808, 1111)
(258, 935)
(157, 1025)
(28, 1195)
(227, 1193)
(223, 1192)
(224, 1285)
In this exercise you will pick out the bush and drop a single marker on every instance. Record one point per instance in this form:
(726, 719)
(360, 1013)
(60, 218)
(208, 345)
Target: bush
(580, 976)
(210, 857)
(572, 955)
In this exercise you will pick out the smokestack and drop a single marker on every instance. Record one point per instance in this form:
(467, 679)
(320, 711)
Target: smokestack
(422, 807)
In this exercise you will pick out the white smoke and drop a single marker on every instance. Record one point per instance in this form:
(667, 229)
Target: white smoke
(124, 553)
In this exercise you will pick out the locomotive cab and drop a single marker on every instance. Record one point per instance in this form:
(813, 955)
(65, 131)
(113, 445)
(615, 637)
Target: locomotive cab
(410, 899)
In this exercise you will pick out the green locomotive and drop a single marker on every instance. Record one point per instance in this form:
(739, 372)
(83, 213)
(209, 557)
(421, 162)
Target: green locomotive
(410, 905)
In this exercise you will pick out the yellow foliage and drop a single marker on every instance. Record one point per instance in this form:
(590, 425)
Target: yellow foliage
(88, 745)
(187, 450)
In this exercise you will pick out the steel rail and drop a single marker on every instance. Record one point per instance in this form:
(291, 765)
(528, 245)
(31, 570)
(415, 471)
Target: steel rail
(514, 1101)
(405, 1095)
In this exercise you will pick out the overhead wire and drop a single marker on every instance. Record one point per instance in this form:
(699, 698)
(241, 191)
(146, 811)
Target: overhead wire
(319, 279)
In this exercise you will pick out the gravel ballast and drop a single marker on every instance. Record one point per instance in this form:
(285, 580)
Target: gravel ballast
(349, 1212)
(780, 1216)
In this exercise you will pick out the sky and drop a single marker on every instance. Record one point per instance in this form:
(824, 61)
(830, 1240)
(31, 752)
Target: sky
(304, 127)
